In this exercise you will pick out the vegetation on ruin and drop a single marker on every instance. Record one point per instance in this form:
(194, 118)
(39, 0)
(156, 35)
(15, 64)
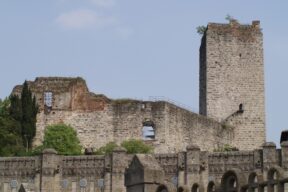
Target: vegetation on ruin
(63, 138)
(133, 146)
(229, 18)
(202, 29)
(107, 149)
(225, 125)
(125, 101)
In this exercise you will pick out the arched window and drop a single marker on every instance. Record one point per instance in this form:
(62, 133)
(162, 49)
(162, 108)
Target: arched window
(273, 180)
(48, 98)
(148, 131)
(285, 186)
(229, 182)
(195, 188)
(162, 188)
(211, 187)
(253, 182)
(180, 189)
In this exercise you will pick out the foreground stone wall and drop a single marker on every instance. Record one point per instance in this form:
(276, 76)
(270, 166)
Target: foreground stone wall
(232, 80)
(264, 169)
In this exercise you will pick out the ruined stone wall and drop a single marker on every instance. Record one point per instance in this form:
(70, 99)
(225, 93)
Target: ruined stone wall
(67, 94)
(175, 127)
(99, 120)
(231, 74)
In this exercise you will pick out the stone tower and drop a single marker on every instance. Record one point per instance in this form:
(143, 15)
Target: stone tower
(232, 80)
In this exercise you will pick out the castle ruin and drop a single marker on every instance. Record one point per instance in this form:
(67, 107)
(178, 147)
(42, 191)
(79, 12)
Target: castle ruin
(232, 112)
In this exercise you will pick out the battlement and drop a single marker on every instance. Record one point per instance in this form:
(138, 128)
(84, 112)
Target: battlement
(243, 32)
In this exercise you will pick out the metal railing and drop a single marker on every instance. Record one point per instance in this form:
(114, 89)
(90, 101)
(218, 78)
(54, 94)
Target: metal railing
(162, 98)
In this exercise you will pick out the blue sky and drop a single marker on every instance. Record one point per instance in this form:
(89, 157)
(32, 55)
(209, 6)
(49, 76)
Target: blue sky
(135, 49)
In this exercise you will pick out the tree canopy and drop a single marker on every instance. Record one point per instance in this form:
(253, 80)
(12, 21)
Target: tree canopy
(29, 113)
(63, 139)
(17, 123)
(10, 132)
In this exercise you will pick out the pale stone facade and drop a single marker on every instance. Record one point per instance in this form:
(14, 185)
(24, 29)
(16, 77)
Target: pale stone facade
(232, 77)
(99, 120)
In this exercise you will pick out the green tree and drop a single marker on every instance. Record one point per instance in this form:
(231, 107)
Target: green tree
(4, 107)
(10, 132)
(63, 139)
(201, 29)
(229, 18)
(29, 112)
(15, 109)
(134, 146)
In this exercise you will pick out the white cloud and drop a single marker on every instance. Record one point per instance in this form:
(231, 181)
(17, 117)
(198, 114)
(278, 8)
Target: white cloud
(103, 3)
(80, 19)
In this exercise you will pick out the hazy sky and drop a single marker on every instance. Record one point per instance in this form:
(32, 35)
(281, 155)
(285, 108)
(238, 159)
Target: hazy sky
(135, 49)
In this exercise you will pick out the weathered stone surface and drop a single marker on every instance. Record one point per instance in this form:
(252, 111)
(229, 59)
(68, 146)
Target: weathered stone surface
(99, 120)
(231, 73)
(232, 77)
(148, 172)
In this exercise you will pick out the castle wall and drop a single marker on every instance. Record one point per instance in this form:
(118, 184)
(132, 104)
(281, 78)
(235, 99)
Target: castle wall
(265, 168)
(175, 127)
(14, 171)
(232, 74)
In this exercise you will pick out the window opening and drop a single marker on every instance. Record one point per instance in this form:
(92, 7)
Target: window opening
(148, 133)
(241, 108)
(48, 96)
(195, 188)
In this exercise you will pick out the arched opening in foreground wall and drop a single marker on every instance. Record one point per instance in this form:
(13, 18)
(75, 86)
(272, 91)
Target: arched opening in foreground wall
(183, 189)
(162, 188)
(253, 182)
(195, 188)
(273, 180)
(229, 182)
(211, 187)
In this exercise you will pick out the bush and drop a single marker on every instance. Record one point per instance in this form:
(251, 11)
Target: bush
(107, 149)
(134, 146)
(63, 139)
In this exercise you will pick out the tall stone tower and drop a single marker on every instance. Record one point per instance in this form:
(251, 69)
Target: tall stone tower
(232, 80)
